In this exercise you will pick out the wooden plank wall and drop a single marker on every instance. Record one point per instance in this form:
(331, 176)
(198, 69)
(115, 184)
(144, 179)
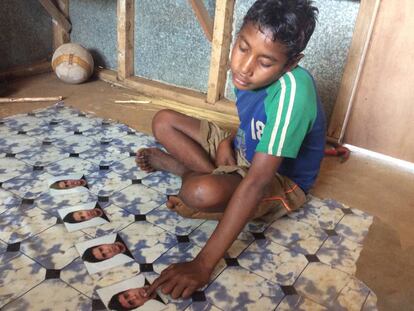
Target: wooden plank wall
(382, 116)
(359, 46)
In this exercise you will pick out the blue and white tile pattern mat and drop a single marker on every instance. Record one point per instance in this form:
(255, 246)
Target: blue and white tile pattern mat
(305, 261)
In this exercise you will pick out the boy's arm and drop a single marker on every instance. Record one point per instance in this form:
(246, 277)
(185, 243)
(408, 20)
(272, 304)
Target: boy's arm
(184, 278)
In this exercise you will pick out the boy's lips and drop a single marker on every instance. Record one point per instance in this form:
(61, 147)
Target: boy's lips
(239, 80)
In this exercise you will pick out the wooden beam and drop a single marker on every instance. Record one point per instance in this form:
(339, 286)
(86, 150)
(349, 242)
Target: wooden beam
(191, 103)
(220, 50)
(186, 101)
(203, 17)
(169, 92)
(364, 26)
(24, 71)
(126, 25)
(60, 36)
(57, 16)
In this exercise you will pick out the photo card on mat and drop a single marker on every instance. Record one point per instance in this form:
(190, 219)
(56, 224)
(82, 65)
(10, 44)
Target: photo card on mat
(104, 253)
(128, 295)
(83, 216)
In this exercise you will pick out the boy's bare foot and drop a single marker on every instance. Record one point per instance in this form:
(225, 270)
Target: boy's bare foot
(175, 204)
(153, 159)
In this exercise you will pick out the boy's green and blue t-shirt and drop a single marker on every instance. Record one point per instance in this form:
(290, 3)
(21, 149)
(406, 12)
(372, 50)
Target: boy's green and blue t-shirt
(284, 119)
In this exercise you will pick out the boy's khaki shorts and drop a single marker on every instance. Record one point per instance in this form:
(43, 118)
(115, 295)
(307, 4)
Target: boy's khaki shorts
(285, 197)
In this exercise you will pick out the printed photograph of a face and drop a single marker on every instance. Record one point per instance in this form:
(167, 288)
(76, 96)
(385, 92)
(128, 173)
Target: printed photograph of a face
(129, 295)
(83, 216)
(73, 183)
(104, 253)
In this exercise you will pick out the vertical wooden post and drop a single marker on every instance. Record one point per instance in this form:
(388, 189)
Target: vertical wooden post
(60, 35)
(126, 25)
(220, 49)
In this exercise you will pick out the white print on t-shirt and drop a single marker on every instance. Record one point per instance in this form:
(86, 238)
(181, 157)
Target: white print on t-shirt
(256, 129)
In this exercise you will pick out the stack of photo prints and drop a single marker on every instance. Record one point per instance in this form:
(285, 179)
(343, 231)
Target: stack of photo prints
(105, 252)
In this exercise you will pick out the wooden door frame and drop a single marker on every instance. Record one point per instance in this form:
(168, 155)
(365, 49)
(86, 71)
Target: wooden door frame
(221, 41)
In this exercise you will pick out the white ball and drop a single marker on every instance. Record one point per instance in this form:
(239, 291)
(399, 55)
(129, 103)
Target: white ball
(72, 63)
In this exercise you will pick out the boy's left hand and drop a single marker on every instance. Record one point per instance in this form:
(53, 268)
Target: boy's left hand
(181, 279)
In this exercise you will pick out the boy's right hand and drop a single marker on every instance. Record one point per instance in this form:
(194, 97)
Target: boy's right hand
(225, 153)
(181, 279)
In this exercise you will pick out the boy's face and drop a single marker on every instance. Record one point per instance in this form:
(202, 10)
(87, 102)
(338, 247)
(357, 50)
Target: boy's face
(256, 60)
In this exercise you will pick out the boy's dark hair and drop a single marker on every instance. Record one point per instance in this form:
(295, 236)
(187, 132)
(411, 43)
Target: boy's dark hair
(69, 218)
(89, 257)
(114, 303)
(291, 22)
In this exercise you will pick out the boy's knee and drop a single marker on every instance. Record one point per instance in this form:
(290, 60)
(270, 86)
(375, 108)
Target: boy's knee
(162, 120)
(198, 193)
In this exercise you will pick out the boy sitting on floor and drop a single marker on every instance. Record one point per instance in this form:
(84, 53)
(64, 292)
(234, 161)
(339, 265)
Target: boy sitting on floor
(272, 161)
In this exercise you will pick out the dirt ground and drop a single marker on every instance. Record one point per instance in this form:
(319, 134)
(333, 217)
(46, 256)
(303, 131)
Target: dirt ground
(386, 263)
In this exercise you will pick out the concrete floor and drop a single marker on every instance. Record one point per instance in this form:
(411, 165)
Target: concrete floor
(386, 263)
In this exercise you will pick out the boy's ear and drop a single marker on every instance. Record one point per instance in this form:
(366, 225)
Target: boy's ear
(292, 63)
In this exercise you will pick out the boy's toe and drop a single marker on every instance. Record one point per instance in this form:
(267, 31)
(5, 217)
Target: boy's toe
(173, 202)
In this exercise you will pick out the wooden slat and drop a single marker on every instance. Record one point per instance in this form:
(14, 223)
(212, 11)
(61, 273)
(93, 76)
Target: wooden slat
(56, 15)
(220, 50)
(24, 71)
(203, 17)
(60, 35)
(158, 89)
(126, 25)
(360, 42)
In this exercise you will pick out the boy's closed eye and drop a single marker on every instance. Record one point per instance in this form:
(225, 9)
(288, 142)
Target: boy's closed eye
(267, 61)
(243, 47)
(266, 65)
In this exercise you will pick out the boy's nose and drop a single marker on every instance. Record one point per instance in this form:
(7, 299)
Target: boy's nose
(247, 66)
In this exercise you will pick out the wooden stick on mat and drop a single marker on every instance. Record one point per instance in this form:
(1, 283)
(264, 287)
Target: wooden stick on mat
(29, 99)
(131, 101)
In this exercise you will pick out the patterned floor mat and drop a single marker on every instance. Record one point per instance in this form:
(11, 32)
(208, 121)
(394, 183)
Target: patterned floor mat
(304, 261)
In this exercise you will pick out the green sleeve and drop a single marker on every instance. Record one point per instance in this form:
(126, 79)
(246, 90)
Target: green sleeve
(291, 107)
